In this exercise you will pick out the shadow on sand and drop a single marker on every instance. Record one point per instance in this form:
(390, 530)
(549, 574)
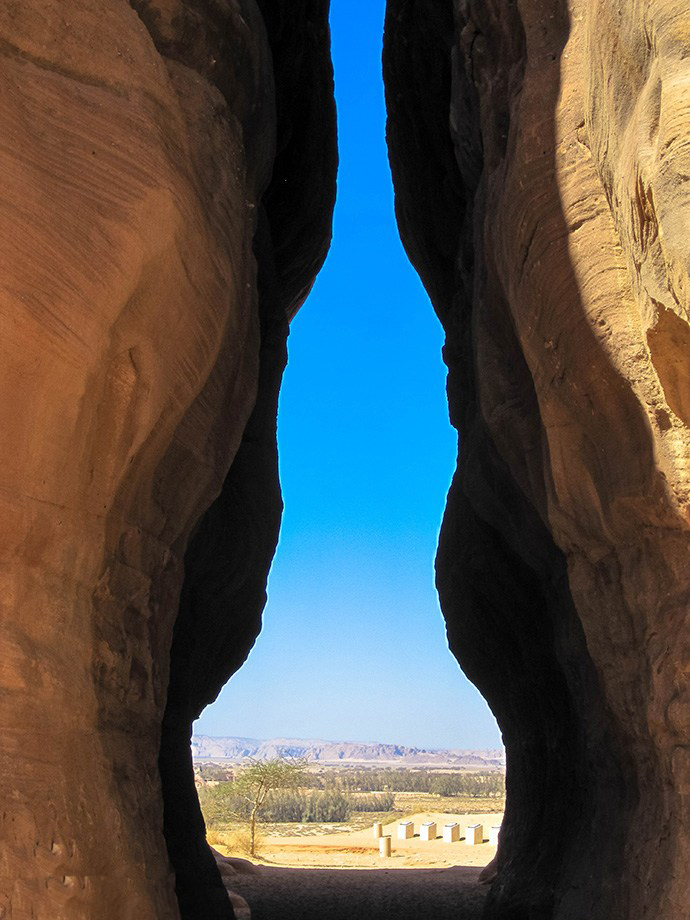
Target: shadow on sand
(362, 894)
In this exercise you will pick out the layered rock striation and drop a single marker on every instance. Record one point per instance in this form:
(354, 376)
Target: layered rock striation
(168, 178)
(539, 155)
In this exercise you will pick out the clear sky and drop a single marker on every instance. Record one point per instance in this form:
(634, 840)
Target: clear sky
(353, 646)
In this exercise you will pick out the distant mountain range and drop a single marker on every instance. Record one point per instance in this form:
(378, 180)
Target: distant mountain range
(345, 753)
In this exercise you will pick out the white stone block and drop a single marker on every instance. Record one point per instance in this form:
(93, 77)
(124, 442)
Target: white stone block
(428, 831)
(385, 846)
(493, 835)
(451, 832)
(378, 829)
(405, 830)
(474, 834)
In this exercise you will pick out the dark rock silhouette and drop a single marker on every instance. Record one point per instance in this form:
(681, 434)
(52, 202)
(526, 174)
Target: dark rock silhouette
(531, 157)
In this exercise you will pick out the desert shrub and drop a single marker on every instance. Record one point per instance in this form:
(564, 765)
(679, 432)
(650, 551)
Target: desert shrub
(447, 784)
(239, 840)
(382, 801)
(285, 805)
(215, 839)
(313, 781)
(376, 780)
(475, 785)
(221, 804)
(329, 805)
(314, 806)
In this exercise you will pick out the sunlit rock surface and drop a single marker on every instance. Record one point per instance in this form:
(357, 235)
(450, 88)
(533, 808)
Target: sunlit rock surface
(167, 182)
(540, 152)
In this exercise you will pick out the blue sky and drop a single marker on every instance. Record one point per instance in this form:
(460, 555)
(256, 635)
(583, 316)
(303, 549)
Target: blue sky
(353, 645)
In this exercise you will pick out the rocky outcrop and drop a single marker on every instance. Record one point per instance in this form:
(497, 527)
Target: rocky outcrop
(539, 155)
(168, 177)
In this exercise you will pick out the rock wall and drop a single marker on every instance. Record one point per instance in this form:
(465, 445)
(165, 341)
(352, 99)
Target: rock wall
(166, 203)
(539, 152)
(230, 553)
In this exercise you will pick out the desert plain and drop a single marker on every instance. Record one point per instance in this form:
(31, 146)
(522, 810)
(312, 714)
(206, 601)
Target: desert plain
(318, 846)
(312, 872)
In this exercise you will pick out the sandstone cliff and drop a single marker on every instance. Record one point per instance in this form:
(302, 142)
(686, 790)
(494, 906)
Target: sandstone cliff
(168, 177)
(539, 152)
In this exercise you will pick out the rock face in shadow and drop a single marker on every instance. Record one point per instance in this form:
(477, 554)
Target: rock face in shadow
(539, 156)
(167, 190)
(230, 553)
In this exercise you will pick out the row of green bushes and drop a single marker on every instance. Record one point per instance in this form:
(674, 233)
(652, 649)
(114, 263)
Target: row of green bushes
(306, 807)
(380, 801)
(487, 784)
(474, 785)
(221, 804)
(477, 785)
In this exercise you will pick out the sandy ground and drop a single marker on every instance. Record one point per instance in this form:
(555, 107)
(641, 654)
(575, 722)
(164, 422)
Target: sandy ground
(359, 849)
(341, 876)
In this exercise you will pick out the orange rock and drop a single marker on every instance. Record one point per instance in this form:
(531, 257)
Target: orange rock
(136, 151)
(542, 192)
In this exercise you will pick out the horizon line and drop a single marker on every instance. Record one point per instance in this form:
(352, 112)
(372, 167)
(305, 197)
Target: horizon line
(345, 741)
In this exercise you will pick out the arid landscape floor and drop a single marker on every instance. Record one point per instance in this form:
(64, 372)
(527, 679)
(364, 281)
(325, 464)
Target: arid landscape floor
(362, 894)
(340, 876)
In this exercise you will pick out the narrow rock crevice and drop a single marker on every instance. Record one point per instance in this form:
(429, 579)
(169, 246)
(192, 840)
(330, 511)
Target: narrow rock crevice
(169, 178)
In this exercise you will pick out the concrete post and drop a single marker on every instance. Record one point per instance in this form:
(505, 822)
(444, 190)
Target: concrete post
(474, 834)
(405, 830)
(451, 832)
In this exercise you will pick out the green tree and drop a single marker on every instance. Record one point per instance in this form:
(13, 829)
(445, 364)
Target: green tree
(256, 782)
